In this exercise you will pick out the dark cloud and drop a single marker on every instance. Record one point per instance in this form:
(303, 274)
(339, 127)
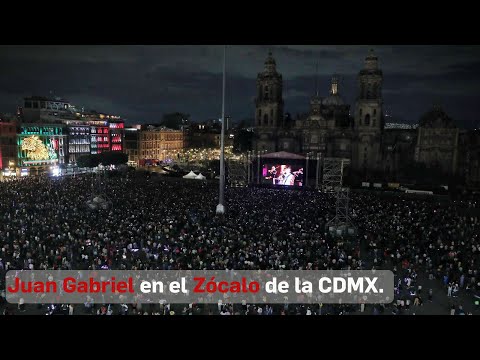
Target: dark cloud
(141, 83)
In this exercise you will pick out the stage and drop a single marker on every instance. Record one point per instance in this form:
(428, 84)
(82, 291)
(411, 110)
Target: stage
(283, 170)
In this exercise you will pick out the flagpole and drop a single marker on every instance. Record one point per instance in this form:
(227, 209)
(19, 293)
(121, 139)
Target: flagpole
(221, 197)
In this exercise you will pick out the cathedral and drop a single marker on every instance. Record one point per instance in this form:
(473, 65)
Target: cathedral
(333, 129)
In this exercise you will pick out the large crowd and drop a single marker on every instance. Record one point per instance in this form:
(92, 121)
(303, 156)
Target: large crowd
(156, 223)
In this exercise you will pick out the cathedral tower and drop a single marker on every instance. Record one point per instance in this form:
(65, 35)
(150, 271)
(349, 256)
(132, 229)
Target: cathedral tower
(368, 123)
(269, 101)
(368, 107)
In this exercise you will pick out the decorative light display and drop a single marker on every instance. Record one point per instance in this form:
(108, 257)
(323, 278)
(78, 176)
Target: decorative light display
(196, 154)
(116, 126)
(41, 130)
(37, 150)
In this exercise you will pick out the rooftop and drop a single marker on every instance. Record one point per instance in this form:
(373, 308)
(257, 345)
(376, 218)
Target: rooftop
(436, 118)
(44, 98)
(158, 128)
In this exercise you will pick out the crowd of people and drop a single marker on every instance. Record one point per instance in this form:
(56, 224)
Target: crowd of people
(171, 224)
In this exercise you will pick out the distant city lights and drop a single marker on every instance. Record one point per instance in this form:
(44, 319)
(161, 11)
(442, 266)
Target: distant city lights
(400, 126)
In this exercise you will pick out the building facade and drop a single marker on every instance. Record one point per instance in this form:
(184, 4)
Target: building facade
(36, 108)
(8, 143)
(204, 134)
(334, 129)
(41, 146)
(117, 135)
(472, 158)
(78, 140)
(132, 134)
(437, 141)
(93, 133)
(53, 132)
(159, 144)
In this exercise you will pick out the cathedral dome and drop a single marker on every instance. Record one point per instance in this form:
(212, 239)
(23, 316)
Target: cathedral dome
(333, 99)
(436, 118)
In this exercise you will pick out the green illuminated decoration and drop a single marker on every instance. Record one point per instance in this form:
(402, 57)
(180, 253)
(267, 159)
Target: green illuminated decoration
(42, 130)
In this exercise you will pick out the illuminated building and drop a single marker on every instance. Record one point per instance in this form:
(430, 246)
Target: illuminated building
(117, 135)
(99, 136)
(107, 132)
(159, 144)
(41, 146)
(53, 132)
(8, 148)
(78, 140)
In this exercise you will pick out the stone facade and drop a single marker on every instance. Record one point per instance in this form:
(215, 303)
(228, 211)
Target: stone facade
(437, 141)
(331, 128)
(472, 158)
(160, 143)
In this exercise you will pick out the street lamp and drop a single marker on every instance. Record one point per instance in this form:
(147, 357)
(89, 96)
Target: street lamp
(184, 121)
(221, 207)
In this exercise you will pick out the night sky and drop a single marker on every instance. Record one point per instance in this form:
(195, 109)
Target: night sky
(140, 83)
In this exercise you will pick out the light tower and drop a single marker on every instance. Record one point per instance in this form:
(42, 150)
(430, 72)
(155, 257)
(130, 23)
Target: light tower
(221, 198)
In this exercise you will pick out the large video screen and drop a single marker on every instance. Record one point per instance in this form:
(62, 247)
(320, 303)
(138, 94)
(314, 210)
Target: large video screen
(282, 174)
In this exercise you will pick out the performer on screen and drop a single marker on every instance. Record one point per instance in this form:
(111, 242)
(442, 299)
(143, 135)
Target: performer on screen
(299, 176)
(272, 174)
(287, 177)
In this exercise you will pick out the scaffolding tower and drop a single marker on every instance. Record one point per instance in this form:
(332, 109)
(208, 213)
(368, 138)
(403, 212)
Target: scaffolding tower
(333, 169)
(237, 170)
(332, 182)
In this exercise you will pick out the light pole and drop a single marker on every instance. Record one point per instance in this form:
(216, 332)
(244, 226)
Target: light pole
(221, 198)
(248, 167)
(258, 166)
(306, 170)
(318, 170)
(184, 121)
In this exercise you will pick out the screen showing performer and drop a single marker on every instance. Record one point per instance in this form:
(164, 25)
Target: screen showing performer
(282, 174)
